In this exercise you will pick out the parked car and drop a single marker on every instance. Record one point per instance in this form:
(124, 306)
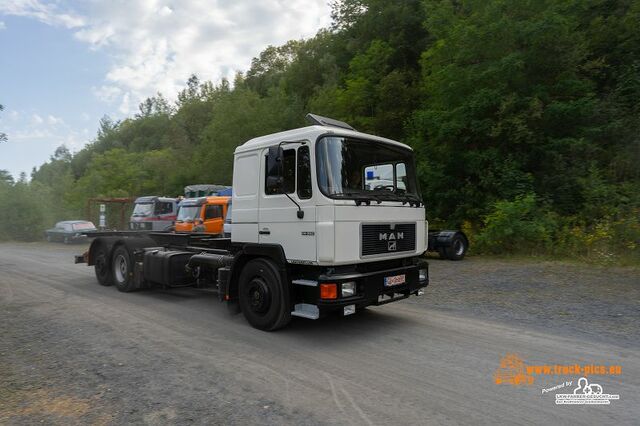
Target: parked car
(69, 231)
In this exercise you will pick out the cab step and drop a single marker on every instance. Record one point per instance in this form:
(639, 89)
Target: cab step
(306, 310)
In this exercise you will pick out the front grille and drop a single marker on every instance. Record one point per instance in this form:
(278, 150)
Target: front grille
(140, 226)
(388, 239)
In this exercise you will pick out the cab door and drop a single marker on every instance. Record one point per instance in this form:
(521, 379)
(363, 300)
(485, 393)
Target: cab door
(213, 218)
(279, 221)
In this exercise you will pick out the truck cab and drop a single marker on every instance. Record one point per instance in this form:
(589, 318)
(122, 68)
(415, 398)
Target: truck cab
(203, 214)
(317, 192)
(153, 213)
(343, 208)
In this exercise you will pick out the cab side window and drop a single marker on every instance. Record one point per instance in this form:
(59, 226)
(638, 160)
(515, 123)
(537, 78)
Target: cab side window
(165, 208)
(304, 173)
(288, 174)
(212, 212)
(289, 171)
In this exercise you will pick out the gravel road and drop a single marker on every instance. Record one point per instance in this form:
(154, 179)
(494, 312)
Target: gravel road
(73, 352)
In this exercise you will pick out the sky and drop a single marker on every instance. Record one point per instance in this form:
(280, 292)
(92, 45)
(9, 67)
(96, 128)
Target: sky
(66, 64)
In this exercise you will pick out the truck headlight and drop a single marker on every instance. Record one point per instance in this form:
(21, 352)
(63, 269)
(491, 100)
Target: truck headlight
(423, 275)
(348, 289)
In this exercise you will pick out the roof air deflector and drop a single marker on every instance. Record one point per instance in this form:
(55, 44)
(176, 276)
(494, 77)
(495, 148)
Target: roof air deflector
(325, 121)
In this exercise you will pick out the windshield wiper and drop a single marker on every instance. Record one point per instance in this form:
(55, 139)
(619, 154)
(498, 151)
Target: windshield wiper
(412, 199)
(397, 196)
(358, 197)
(388, 194)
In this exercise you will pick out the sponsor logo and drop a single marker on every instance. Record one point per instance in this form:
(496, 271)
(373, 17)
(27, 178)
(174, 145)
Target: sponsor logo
(586, 394)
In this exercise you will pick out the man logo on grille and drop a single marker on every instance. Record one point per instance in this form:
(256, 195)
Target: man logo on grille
(390, 236)
(391, 246)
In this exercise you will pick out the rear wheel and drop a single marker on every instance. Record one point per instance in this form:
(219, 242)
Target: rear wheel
(122, 267)
(263, 298)
(102, 266)
(458, 247)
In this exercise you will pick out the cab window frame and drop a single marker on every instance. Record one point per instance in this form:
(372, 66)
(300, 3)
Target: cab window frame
(285, 153)
(305, 191)
(217, 207)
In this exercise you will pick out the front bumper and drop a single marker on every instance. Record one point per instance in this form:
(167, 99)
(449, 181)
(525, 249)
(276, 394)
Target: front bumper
(371, 289)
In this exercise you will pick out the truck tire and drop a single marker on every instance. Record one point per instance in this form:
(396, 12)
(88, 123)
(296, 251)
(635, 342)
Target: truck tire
(262, 295)
(458, 247)
(122, 267)
(101, 266)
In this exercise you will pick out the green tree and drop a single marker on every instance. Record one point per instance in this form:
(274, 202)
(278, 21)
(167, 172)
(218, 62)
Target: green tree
(3, 136)
(5, 177)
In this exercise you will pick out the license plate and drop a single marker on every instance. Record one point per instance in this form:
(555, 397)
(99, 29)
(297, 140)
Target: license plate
(394, 280)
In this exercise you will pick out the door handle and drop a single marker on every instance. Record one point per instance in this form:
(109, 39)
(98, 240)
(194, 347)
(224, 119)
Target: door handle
(264, 232)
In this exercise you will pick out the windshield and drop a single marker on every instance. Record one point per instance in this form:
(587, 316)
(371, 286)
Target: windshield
(188, 213)
(143, 209)
(353, 168)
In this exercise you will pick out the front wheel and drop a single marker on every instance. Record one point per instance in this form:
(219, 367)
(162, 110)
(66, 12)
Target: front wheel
(122, 267)
(262, 295)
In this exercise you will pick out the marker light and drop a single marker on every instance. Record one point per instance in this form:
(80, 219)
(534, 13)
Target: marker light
(328, 291)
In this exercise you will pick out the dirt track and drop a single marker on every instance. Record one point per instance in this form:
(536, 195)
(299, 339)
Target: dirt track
(72, 351)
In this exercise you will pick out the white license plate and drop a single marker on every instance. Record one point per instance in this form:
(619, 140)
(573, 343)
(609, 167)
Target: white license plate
(394, 280)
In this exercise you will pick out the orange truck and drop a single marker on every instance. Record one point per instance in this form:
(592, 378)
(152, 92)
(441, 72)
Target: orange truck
(203, 214)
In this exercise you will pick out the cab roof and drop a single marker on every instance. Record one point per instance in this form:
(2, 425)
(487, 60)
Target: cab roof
(152, 198)
(212, 199)
(310, 133)
(216, 199)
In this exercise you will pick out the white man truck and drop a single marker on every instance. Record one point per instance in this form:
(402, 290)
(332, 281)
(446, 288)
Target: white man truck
(313, 231)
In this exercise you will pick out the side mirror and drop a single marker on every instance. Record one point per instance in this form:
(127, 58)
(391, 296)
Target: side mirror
(274, 170)
(274, 184)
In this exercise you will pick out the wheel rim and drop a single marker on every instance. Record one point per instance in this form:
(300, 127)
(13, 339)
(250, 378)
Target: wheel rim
(120, 268)
(259, 296)
(458, 247)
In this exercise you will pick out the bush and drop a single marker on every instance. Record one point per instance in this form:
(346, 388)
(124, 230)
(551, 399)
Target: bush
(608, 240)
(518, 226)
(523, 226)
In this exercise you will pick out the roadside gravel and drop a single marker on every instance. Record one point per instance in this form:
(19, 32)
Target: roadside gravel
(585, 301)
